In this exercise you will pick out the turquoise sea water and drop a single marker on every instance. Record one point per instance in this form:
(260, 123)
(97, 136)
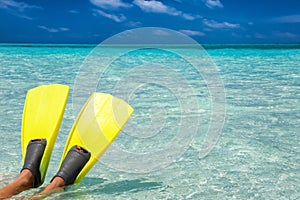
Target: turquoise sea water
(257, 155)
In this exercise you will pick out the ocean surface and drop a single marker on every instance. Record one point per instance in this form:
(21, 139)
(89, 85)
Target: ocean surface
(243, 102)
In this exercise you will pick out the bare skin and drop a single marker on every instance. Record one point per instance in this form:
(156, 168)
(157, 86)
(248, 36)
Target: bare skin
(25, 181)
(57, 185)
(22, 183)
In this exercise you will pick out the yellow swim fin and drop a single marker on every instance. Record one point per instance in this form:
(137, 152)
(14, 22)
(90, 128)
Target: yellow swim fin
(43, 112)
(98, 124)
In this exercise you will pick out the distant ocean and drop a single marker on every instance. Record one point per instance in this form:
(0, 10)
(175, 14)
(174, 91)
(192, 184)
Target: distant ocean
(257, 155)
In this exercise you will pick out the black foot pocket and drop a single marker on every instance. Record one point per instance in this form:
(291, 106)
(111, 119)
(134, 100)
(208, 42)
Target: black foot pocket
(34, 154)
(72, 165)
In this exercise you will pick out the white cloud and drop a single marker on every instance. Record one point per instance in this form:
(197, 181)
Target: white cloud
(259, 35)
(286, 19)
(192, 33)
(134, 24)
(190, 17)
(54, 30)
(219, 25)
(64, 29)
(96, 35)
(21, 6)
(285, 34)
(116, 18)
(18, 9)
(110, 4)
(213, 4)
(74, 11)
(154, 6)
(161, 32)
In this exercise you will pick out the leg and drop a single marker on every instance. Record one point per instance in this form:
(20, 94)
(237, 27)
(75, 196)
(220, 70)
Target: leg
(22, 183)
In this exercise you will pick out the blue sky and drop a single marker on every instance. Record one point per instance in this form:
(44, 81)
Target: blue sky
(207, 21)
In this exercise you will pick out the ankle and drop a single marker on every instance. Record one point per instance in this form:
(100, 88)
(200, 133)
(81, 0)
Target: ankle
(26, 178)
(58, 182)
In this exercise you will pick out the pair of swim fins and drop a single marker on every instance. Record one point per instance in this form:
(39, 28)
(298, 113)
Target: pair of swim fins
(97, 125)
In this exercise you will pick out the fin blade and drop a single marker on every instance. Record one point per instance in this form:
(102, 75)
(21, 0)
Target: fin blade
(98, 124)
(42, 116)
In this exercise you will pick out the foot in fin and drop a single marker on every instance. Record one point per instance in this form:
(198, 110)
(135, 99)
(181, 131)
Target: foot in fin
(34, 153)
(73, 163)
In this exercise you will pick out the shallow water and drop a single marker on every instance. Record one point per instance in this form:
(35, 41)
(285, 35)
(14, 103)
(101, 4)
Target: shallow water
(257, 155)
